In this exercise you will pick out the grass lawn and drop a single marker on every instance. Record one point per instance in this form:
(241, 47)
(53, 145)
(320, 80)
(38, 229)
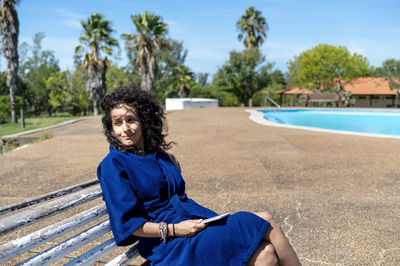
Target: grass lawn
(33, 123)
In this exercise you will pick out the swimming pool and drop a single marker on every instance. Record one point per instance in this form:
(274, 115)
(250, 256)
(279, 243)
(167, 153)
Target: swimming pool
(384, 123)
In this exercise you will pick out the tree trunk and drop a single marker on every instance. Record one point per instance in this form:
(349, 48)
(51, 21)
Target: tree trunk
(9, 28)
(12, 68)
(250, 102)
(95, 84)
(13, 106)
(95, 108)
(148, 72)
(146, 83)
(182, 91)
(22, 118)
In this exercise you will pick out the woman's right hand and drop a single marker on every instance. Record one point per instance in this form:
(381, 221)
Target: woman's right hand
(189, 227)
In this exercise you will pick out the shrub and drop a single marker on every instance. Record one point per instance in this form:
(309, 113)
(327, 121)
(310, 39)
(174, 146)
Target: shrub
(5, 109)
(5, 112)
(260, 96)
(227, 99)
(200, 92)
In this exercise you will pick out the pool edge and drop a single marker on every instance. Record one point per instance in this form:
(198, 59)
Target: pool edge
(257, 117)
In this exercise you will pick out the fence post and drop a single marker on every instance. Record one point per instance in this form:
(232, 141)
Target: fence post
(22, 118)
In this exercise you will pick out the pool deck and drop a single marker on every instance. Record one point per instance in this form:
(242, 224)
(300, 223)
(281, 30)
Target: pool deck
(336, 196)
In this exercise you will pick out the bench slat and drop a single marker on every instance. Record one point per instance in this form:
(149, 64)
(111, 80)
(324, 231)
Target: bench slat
(89, 190)
(55, 253)
(24, 218)
(20, 245)
(125, 257)
(94, 254)
(51, 195)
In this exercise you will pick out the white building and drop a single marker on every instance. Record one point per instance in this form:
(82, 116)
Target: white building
(189, 103)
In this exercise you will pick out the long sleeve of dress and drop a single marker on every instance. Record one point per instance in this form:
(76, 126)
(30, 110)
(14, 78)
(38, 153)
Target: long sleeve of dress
(126, 213)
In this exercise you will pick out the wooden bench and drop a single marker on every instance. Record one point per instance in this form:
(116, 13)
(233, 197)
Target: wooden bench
(322, 97)
(50, 241)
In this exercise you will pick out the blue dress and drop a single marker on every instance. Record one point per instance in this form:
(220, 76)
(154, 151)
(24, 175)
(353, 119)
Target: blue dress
(151, 189)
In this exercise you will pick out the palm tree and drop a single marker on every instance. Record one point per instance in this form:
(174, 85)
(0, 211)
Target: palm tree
(9, 28)
(96, 37)
(253, 26)
(149, 40)
(184, 76)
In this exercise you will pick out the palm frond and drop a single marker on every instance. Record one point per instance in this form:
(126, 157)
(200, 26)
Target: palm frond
(254, 26)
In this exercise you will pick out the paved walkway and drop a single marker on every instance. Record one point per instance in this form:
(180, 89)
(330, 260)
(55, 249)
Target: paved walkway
(336, 196)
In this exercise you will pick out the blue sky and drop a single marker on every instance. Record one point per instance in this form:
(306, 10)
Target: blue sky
(207, 27)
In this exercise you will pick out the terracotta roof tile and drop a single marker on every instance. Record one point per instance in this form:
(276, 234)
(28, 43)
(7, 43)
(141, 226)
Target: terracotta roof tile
(369, 86)
(295, 91)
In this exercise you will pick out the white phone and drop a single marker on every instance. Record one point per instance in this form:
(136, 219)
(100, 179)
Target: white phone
(215, 218)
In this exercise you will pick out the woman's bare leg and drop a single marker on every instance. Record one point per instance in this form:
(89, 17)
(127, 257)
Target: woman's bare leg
(274, 235)
(264, 255)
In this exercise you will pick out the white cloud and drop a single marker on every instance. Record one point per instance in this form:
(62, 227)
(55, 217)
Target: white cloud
(72, 19)
(68, 14)
(73, 23)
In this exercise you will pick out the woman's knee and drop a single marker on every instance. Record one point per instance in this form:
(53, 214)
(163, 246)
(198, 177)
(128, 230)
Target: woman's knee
(268, 217)
(264, 255)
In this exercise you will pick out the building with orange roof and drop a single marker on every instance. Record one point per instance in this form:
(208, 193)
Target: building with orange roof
(367, 92)
(371, 92)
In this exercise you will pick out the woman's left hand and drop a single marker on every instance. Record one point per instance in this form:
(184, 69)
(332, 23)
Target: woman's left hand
(189, 227)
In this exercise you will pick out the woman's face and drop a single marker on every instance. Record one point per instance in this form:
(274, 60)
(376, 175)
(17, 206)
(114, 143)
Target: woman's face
(127, 126)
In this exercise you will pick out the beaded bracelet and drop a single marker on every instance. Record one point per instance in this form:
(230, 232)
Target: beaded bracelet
(163, 228)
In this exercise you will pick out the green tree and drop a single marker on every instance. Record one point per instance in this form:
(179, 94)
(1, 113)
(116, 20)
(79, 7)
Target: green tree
(184, 79)
(116, 77)
(202, 78)
(390, 68)
(244, 74)
(78, 98)
(181, 82)
(5, 110)
(9, 29)
(276, 77)
(149, 40)
(67, 93)
(276, 81)
(322, 65)
(171, 57)
(56, 84)
(391, 71)
(253, 28)
(4, 90)
(96, 37)
(38, 67)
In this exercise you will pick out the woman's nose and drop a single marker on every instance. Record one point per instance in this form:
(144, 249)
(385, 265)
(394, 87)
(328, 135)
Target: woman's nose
(125, 126)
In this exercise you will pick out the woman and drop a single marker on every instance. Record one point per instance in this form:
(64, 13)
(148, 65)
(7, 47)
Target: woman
(145, 197)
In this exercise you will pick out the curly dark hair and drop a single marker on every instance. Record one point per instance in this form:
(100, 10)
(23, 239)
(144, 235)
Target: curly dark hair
(149, 111)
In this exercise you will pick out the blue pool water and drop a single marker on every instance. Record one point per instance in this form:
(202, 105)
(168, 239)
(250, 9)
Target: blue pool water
(370, 122)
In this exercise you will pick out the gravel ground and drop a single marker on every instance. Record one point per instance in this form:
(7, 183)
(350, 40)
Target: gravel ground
(335, 196)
